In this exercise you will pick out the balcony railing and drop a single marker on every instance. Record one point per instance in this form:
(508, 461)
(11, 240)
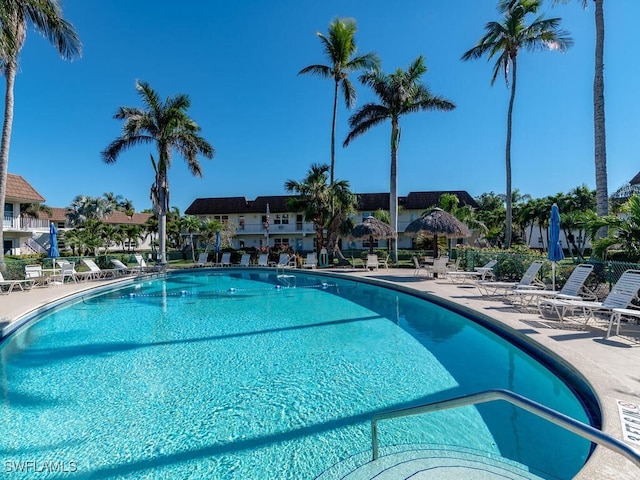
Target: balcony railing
(289, 228)
(24, 223)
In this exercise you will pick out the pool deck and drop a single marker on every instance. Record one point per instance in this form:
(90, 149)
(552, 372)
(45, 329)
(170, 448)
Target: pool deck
(611, 366)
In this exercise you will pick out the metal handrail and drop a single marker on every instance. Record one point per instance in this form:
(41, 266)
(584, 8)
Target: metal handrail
(560, 419)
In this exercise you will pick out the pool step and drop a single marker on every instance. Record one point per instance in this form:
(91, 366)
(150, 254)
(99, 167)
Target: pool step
(427, 462)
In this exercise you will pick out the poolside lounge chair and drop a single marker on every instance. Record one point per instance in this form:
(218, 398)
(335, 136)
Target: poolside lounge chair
(263, 260)
(573, 289)
(203, 260)
(142, 264)
(372, 262)
(311, 261)
(286, 260)
(620, 297)
(123, 269)
(100, 272)
(67, 272)
(439, 268)
(617, 315)
(11, 284)
(528, 280)
(75, 275)
(35, 273)
(225, 261)
(245, 260)
(482, 274)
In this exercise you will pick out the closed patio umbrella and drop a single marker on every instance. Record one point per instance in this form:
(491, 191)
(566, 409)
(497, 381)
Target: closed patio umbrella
(53, 243)
(372, 228)
(438, 223)
(555, 249)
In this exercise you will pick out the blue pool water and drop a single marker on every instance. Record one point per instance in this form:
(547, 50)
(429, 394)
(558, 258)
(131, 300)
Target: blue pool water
(236, 376)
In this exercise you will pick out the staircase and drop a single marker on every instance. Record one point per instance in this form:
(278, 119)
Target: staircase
(417, 462)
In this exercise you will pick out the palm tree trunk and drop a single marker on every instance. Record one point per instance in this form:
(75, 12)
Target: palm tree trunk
(602, 196)
(10, 75)
(393, 185)
(162, 220)
(333, 132)
(507, 233)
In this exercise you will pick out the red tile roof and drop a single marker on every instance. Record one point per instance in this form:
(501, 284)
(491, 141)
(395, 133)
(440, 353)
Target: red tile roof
(116, 218)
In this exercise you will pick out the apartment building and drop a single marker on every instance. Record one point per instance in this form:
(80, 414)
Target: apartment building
(268, 220)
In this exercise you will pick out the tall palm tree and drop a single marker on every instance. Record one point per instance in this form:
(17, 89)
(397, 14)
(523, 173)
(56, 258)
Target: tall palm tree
(400, 93)
(505, 40)
(85, 208)
(45, 16)
(340, 48)
(600, 138)
(191, 224)
(167, 125)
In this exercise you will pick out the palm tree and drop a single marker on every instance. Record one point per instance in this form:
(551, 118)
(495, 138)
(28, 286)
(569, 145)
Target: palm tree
(191, 224)
(340, 47)
(33, 210)
(45, 16)
(85, 208)
(506, 39)
(400, 93)
(168, 126)
(600, 140)
(325, 204)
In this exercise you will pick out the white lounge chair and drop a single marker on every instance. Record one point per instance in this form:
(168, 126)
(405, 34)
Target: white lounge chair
(67, 272)
(245, 260)
(480, 274)
(311, 261)
(573, 289)
(124, 269)
(203, 260)
(528, 280)
(10, 285)
(439, 268)
(286, 260)
(263, 260)
(225, 261)
(384, 262)
(75, 275)
(620, 297)
(100, 272)
(142, 264)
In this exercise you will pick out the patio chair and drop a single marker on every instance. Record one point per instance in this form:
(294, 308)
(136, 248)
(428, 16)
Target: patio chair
(283, 260)
(439, 268)
(67, 272)
(263, 260)
(372, 262)
(245, 260)
(573, 289)
(311, 261)
(75, 275)
(620, 297)
(142, 264)
(478, 274)
(528, 280)
(384, 262)
(11, 284)
(420, 268)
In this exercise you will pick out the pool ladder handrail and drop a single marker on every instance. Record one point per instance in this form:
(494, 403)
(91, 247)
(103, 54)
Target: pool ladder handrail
(586, 431)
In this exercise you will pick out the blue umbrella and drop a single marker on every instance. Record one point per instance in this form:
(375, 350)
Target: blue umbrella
(555, 249)
(217, 248)
(53, 247)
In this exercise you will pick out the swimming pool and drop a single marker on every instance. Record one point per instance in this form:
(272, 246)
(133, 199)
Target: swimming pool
(236, 375)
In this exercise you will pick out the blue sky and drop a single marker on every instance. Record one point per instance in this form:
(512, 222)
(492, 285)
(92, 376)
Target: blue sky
(238, 61)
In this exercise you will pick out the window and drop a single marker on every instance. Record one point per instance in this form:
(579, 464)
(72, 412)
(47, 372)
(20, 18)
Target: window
(276, 219)
(240, 222)
(285, 219)
(298, 222)
(281, 242)
(221, 218)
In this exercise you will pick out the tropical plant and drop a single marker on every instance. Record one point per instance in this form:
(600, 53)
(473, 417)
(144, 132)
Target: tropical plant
(325, 204)
(167, 125)
(191, 225)
(600, 140)
(400, 93)
(505, 40)
(45, 16)
(623, 231)
(85, 208)
(340, 49)
(33, 210)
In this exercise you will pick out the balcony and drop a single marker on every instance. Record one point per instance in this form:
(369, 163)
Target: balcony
(286, 229)
(24, 224)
